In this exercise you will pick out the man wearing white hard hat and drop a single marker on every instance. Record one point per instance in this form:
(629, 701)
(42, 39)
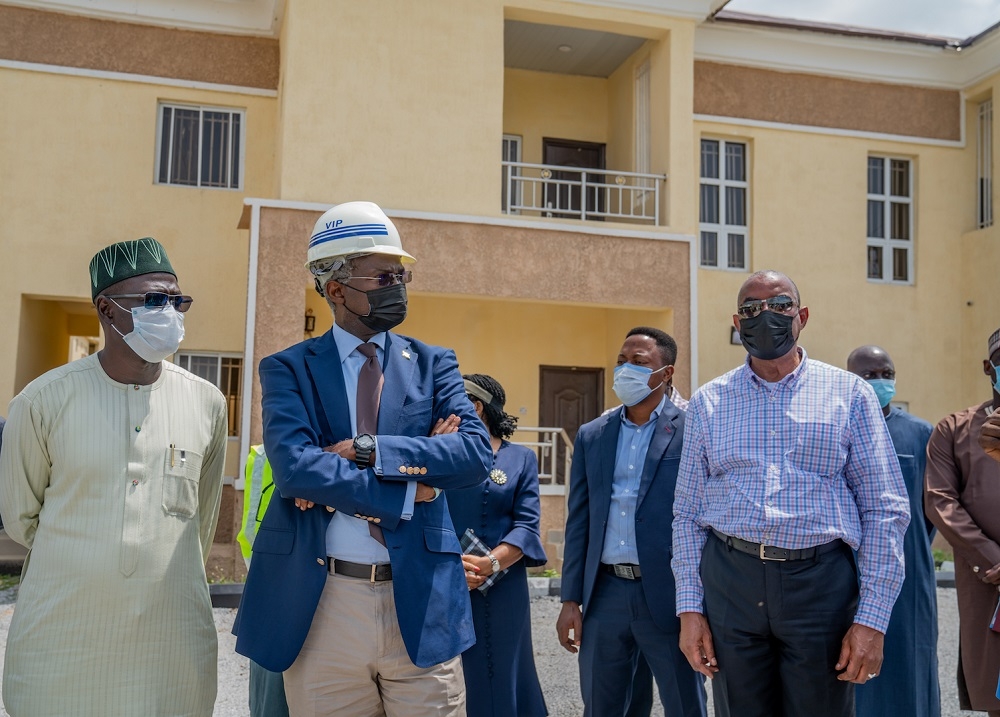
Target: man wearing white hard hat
(356, 591)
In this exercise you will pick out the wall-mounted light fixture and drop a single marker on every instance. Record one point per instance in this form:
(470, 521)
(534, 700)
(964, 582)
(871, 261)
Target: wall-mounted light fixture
(734, 336)
(310, 321)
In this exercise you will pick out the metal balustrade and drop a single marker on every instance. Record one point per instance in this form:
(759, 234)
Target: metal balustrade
(546, 446)
(586, 194)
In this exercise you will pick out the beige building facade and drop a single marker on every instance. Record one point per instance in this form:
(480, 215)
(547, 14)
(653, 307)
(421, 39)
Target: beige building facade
(562, 171)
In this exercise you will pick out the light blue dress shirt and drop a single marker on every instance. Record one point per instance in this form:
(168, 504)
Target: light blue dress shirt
(347, 537)
(633, 443)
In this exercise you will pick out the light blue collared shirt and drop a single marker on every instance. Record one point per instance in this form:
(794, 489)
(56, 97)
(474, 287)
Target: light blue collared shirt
(633, 444)
(347, 537)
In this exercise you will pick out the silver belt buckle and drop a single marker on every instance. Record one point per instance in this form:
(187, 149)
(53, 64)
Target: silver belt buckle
(764, 557)
(373, 573)
(624, 571)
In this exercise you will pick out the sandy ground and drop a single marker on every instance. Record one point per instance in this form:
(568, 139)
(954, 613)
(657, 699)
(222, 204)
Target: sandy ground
(557, 668)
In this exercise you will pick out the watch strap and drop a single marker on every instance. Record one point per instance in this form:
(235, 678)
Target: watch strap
(362, 455)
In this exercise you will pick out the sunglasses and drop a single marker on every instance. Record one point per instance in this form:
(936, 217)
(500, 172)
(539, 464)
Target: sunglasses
(387, 279)
(157, 300)
(782, 304)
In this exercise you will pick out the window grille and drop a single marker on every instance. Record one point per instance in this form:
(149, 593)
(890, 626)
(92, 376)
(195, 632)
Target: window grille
(511, 152)
(984, 165)
(224, 372)
(642, 131)
(723, 220)
(199, 146)
(890, 220)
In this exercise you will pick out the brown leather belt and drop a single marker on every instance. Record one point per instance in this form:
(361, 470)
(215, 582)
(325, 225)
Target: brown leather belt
(364, 571)
(770, 552)
(622, 570)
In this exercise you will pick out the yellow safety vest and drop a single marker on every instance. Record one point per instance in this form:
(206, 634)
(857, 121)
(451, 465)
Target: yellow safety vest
(257, 491)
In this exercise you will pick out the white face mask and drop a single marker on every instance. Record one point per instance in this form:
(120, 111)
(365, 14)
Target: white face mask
(156, 333)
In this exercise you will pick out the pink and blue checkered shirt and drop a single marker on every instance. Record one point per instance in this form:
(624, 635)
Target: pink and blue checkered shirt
(792, 464)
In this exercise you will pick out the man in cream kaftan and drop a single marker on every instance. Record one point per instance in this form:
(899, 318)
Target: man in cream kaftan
(113, 615)
(114, 488)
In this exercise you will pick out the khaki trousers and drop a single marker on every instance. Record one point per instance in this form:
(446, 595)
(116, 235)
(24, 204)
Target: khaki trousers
(354, 662)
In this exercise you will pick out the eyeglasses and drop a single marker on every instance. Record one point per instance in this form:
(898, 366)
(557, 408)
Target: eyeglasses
(387, 279)
(157, 300)
(782, 304)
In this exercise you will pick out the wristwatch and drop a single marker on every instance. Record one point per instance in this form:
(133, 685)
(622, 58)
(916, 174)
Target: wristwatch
(494, 562)
(364, 445)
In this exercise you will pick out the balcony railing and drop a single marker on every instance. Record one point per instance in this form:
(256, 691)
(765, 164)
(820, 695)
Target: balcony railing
(554, 450)
(588, 194)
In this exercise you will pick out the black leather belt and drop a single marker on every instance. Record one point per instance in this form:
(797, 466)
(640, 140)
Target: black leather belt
(770, 552)
(364, 571)
(622, 570)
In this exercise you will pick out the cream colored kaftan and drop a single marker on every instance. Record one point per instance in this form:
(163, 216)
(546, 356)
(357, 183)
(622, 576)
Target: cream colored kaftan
(115, 490)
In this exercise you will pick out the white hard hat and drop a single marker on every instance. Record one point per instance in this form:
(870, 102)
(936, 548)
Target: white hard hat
(354, 228)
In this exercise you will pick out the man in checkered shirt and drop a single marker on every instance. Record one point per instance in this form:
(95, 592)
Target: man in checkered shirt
(787, 466)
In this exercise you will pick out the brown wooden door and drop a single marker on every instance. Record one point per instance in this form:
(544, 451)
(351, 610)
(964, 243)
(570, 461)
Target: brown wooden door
(569, 396)
(566, 201)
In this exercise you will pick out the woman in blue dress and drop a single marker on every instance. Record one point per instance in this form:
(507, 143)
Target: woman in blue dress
(504, 514)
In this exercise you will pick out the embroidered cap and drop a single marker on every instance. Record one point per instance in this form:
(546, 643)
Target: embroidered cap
(994, 343)
(127, 259)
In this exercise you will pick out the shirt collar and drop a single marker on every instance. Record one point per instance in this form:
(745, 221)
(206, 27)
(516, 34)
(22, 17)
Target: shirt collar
(754, 380)
(652, 416)
(348, 342)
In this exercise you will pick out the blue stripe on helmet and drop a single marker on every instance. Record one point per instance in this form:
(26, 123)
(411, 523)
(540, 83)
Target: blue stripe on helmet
(348, 231)
(352, 226)
(324, 237)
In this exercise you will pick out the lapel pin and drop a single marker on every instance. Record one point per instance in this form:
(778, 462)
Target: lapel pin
(406, 355)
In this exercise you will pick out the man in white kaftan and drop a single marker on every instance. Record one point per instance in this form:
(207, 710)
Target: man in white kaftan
(114, 486)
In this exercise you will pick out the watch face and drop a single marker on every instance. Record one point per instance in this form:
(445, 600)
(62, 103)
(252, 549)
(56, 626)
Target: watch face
(364, 442)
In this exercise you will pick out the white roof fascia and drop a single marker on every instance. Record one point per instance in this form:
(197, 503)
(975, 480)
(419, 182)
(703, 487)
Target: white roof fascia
(981, 60)
(240, 17)
(857, 58)
(686, 9)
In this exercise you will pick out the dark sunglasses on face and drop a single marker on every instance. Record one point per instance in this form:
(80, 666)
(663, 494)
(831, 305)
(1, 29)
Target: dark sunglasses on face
(388, 278)
(782, 304)
(158, 299)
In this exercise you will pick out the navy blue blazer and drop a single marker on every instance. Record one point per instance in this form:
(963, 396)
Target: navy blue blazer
(591, 477)
(304, 409)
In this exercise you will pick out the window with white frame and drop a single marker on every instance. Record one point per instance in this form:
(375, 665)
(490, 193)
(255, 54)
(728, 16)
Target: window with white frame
(511, 152)
(723, 204)
(642, 126)
(225, 371)
(642, 133)
(199, 146)
(984, 165)
(890, 220)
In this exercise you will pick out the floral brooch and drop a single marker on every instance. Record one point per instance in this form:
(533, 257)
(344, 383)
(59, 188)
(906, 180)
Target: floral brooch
(498, 476)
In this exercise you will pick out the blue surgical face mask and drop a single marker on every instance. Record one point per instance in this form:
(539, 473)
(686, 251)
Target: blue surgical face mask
(631, 383)
(996, 372)
(885, 389)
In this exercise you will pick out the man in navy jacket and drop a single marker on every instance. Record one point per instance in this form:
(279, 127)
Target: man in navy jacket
(617, 587)
(356, 590)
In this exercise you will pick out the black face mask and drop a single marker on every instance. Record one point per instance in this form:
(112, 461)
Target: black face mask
(767, 335)
(386, 307)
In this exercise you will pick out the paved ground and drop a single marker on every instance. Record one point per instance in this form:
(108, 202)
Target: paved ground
(556, 667)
